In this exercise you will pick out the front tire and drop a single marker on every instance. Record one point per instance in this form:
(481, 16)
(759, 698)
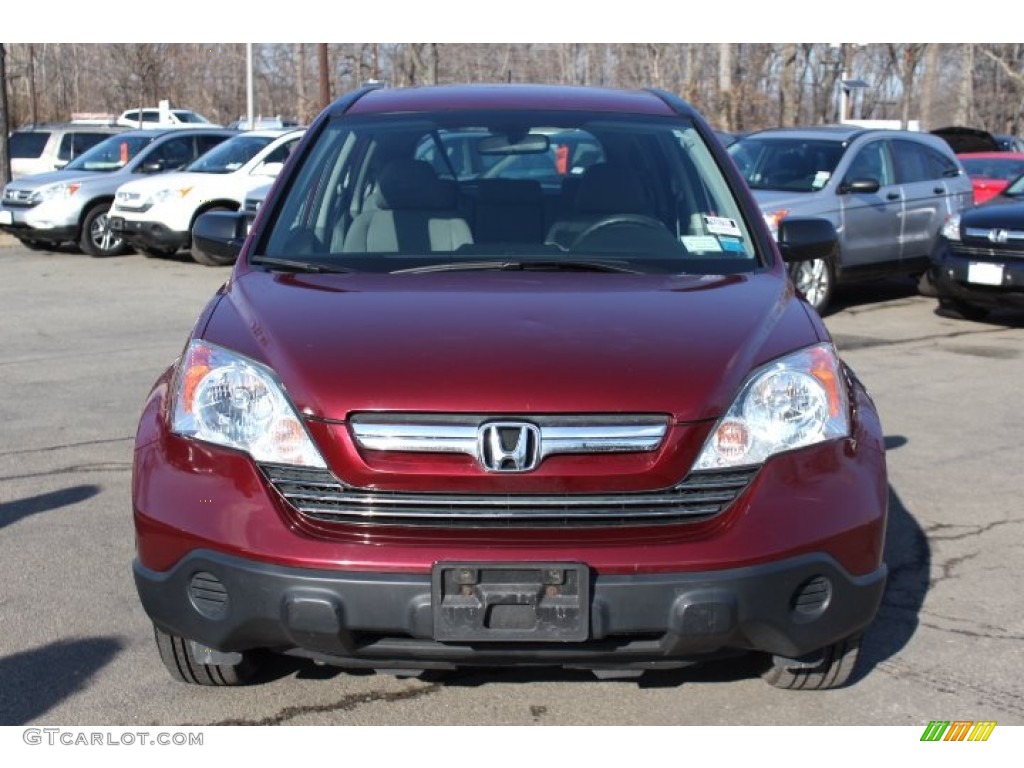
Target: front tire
(816, 281)
(833, 670)
(97, 239)
(176, 654)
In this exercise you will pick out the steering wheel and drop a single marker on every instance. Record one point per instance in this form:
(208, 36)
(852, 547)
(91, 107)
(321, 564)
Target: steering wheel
(620, 221)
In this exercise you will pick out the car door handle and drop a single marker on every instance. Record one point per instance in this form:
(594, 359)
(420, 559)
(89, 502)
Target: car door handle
(893, 196)
(939, 191)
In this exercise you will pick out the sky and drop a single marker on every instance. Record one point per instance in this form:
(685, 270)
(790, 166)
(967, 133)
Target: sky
(523, 21)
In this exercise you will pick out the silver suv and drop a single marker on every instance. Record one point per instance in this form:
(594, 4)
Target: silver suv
(50, 146)
(71, 205)
(887, 193)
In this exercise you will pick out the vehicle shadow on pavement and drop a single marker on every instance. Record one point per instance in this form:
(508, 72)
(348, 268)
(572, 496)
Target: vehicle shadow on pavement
(908, 555)
(855, 295)
(13, 511)
(36, 681)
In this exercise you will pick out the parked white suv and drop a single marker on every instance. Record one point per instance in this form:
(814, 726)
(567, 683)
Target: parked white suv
(153, 117)
(156, 214)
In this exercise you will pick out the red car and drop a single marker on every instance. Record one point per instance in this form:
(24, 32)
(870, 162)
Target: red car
(525, 417)
(991, 172)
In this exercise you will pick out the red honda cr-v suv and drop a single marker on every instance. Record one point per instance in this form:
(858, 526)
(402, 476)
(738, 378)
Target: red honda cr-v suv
(509, 375)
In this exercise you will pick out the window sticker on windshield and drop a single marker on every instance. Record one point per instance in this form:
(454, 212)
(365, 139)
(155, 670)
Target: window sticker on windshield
(698, 243)
(719, 225)
(732, 244)
(820, 179)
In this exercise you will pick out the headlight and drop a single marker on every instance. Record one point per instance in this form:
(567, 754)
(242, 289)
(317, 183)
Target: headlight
(56, 192)
(163, 195)
(793, 402)
(951, 229)
(224, 398)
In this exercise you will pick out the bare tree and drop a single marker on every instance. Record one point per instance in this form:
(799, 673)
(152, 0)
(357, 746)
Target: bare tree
(5, 152)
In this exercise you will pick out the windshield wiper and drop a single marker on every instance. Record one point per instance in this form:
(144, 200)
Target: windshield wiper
(506, 265)
(296, 266)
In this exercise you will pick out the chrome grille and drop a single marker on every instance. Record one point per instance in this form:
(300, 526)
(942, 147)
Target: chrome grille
(463, 434)
(999, 252)
(319, 495)
(18, 197)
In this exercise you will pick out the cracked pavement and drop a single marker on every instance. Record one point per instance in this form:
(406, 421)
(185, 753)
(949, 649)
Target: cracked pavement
(82, 339)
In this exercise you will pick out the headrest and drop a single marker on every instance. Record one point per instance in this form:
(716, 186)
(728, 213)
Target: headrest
(413, 185)
(607, 188)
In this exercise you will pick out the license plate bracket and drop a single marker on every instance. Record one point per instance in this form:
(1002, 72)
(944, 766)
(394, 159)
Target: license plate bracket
(511, 602)
(984, 273)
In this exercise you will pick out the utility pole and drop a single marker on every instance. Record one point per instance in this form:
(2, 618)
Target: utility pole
(5, 154)
(325, 75)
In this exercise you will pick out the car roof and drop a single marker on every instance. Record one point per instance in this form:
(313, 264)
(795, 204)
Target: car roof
(836, 132)
(157, 133)
(991, 155)
(272, 133)
(505, 96)
(61, 126)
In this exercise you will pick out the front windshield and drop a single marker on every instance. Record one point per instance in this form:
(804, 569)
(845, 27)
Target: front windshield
(510, 188)
(787, 164)
(994, 167)
(110, 154)
(185, 116)
(230, 155)
(1015, 188)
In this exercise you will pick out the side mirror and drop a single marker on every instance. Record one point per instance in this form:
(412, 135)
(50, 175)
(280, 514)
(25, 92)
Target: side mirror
(59, 164)
(220, 234)
(154, 167)
(807, 239)
(268, 169)
(860, 186)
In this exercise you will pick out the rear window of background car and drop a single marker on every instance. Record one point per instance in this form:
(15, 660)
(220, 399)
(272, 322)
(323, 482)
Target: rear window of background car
(28, 144)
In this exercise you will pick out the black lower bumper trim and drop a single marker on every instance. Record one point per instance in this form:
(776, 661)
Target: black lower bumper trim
(148, 234)
(788, 608)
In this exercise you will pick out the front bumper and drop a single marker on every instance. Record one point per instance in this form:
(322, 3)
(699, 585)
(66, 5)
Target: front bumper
(951, 275)
(147, 234)
(790, 608)
(50, 221)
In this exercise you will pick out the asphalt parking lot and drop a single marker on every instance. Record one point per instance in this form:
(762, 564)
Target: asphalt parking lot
(82, 339)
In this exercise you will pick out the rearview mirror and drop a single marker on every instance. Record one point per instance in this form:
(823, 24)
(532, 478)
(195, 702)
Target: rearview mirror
(530, 144)
(807, 239)
(860, 186)
(220, 234)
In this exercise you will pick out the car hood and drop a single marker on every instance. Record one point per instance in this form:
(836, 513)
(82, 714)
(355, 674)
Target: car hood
(510, 342)
(161, 181)
(768, 200)
(38, 180)
(999, 211)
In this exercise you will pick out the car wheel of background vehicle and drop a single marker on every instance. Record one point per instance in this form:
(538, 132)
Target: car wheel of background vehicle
(176, 654)
(961, 309)
(816, 280)
(833, 670)
(925, 286)
(208, 259)
(97, 239)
